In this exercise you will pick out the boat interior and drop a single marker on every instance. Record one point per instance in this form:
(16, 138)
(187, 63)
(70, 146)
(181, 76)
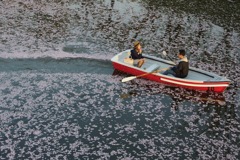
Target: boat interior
(153, 63)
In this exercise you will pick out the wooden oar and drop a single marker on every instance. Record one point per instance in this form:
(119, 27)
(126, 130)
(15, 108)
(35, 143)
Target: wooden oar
(133, 77)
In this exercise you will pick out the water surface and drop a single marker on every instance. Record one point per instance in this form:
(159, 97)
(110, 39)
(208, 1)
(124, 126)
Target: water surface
(61, 98)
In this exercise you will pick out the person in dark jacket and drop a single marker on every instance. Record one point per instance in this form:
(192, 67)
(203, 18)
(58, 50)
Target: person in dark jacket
(181, 69)
(136, 55)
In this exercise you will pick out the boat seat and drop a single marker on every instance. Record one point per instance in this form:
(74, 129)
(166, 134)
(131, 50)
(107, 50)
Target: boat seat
(152, 67)
(128, 60)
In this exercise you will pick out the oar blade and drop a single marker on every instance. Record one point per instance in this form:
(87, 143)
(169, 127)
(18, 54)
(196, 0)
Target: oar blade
(128, 79)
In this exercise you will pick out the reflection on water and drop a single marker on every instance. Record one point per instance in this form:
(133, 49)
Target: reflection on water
(177, 95)
(59, 99)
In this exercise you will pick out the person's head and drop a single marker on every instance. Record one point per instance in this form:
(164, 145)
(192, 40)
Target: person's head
(181, 53)
(137, 45)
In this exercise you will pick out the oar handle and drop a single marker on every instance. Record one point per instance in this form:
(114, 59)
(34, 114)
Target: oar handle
(165, 54)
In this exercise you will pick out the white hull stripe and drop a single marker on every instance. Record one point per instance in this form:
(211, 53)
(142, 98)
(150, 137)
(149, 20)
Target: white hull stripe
(194, 85)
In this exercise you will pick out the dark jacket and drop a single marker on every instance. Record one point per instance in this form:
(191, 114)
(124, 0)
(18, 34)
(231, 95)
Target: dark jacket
(182, 68)
(135, 55)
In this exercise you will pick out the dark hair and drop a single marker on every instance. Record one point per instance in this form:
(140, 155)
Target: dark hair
(182, 52)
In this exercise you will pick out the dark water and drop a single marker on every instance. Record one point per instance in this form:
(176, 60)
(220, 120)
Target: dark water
(61, 99)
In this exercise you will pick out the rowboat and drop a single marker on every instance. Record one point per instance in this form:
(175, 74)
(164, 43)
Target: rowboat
(197, 79)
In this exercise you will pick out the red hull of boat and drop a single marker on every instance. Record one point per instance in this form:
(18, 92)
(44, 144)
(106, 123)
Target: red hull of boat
(164, 80)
